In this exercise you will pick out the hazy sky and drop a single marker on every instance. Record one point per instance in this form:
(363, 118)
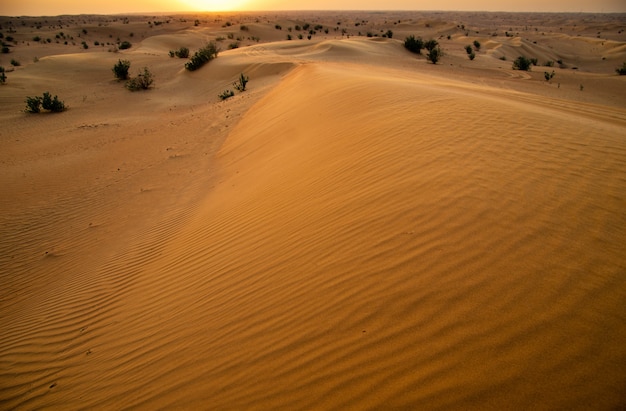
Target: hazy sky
(55, 7)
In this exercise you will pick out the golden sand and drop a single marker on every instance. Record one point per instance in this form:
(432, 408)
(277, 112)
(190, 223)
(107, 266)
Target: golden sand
(360, 229)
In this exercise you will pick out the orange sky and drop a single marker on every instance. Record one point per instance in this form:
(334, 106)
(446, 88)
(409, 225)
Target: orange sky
(55, 7)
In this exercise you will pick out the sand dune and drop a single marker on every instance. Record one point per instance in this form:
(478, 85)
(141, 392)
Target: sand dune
(358, 230)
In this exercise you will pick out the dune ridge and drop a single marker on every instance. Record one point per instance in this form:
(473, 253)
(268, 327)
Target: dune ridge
(352, 232)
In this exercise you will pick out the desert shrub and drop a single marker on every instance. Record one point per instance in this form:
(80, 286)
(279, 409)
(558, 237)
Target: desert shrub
(143, 81)
(120, 69)
(226, 94)
(534, 61)
(548, 76)
(5, 49)
(33, 104)
(468, 49)
(503, 58)
(289, 36)
(125, 45)
(414, 45)
(477, 45)
(3, 76)
(15, 63)
(435, 55)
(240, 84)
(431, 44)
(202, 56)
(472, 56)
(549, 63)
(181, 53)
(244, 28)
(233, 45)
(47, 102)
(37, 39)
(389, 33)
(621, 70)
(52, 103)
(278, 27)
(85, 45)
(522, 63)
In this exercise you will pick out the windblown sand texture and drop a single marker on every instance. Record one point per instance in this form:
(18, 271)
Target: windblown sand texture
(360, 229)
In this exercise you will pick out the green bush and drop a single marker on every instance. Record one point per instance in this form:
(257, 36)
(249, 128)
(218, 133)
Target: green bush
(548, 76)
(414, 45)
(389, 34)
(522, 63)
(182, 53)
(431, 44)
(240, 85)
(125, 45)
(434, 55)
(15, 63)
(143, 81)
(226, 94)
(621, 70)
(52, 103)
(33, 104)
(472, 56)
(47, 102)
(202, 56)
(468, 49)
(120, 69)
(3, 76)
(477, 45)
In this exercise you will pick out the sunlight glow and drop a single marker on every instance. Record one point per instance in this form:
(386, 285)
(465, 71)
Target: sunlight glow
(215, 5)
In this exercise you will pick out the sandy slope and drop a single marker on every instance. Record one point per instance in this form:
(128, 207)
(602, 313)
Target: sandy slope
(359, 229)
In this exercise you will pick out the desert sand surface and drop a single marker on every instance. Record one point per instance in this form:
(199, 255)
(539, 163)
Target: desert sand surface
(359, 229)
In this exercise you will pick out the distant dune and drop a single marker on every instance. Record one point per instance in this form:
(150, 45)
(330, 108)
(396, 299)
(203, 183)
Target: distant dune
(359, 229)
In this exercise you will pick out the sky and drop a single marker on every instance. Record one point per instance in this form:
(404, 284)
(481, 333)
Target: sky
(56, 7)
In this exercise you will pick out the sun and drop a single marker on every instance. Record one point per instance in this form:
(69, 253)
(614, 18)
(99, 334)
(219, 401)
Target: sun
(215, 5)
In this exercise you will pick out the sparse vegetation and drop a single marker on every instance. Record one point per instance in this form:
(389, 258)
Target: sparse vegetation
(548, 76)
(434, 54)
(47, 102)
(477, 45)
(202, 56)
(3, 76)
(468, 49)
(621, 70)
(181, 53)
(414, 45)
(125, 45)
(522, 63)
(226, 94)
(388, 34)
(143, 81)
(431, 44)
(15, 63)
(472, 56)
(240, 84)
(120, 69)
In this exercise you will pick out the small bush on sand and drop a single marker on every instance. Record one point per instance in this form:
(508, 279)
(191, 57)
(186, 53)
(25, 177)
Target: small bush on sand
(226, 94)
(435, 55)
(522, 63)
(431, 44)
(548, 76)
(414, 45)
(621, 70)
(120, 69)
(143, 81)
(47, 102)
(477, 45)
(125, 45)
(468, 49)
(181, 53)
(240, 85)
(52, 103)
(202, 56)
(472, 56)
(3, 76)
